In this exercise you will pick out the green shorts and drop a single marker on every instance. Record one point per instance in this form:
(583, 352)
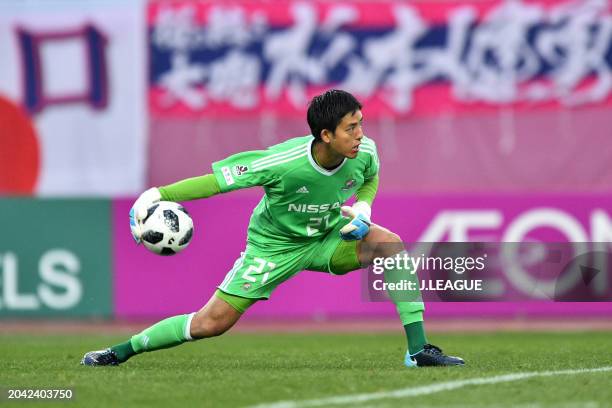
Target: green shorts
(259, 271)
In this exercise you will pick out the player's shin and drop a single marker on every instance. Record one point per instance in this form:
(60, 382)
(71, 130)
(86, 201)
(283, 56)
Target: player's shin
(167, 333)
(411, 315)
(408, 304)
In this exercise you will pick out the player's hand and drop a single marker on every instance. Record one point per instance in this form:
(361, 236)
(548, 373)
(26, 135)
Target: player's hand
(359, 226)
(139, 211)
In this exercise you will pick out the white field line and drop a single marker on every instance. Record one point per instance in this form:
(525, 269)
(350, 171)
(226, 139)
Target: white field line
(574, 404)
(424, 390)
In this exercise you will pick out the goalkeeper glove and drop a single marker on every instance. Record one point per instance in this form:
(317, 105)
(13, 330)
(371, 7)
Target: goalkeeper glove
(140, 209)
(359, 226)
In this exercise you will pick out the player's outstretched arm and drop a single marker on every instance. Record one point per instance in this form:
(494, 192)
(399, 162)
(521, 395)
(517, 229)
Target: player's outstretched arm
(184, 190)
(191, 189)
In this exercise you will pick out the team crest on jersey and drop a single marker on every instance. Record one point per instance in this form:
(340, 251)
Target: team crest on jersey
(349, 184)
(239, 169)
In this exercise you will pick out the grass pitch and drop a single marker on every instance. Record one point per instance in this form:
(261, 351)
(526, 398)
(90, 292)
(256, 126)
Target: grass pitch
(249, 369)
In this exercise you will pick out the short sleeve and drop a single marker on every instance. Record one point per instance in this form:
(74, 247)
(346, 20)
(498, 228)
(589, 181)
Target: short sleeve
(241, 170)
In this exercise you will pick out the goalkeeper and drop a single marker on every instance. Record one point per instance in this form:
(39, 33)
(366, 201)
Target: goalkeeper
(297, 225)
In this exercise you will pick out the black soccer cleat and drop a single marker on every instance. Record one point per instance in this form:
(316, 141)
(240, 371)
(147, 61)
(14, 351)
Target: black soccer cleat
(100, 358)
(432, 356)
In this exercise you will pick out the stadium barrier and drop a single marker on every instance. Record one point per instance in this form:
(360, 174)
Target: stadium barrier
(76, 258)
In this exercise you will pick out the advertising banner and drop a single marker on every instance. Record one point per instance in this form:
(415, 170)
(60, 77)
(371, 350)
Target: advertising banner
(55, 258)
(471, 95)
(149, 285)
(397, 56)
(72, 108)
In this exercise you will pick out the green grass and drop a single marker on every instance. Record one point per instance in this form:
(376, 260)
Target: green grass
(246, 369)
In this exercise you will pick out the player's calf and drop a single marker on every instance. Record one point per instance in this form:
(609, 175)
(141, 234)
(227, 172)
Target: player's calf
(214, 319)
(382, 243)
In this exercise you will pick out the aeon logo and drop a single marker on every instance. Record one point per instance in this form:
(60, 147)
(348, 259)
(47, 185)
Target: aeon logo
(470, 225)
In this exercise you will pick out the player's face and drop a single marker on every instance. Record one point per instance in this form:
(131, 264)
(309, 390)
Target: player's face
(347, 137)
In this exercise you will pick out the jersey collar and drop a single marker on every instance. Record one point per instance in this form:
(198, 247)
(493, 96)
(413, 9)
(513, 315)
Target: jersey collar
(318, 168)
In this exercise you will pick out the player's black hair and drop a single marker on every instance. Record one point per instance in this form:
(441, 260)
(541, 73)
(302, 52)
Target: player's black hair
(325, 111)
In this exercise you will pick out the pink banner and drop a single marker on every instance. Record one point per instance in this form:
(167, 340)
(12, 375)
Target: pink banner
(147, 285)
(399, 57)
(483, 95)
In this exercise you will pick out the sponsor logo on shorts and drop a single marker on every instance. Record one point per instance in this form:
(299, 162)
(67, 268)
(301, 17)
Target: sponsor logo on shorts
(227, 175)
(246, 286)
(239, 169)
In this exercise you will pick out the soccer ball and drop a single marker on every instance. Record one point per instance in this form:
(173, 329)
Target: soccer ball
(167, 228)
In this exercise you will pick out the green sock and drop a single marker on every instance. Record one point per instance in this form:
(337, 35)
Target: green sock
(415, 332)
(167, 333)
(410, 311)
(411, 314)
(124, 351)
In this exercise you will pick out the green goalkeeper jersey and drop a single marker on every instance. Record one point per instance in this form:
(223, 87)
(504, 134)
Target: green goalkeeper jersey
(302, 200)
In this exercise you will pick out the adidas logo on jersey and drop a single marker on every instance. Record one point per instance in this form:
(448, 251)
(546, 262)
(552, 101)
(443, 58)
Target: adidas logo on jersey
(302, 190)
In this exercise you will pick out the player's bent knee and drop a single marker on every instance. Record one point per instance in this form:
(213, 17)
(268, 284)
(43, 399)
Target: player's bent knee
(204, 325)
(214, 319)
(380, 242)
(393, 238)
(384, 243)
(380, 234)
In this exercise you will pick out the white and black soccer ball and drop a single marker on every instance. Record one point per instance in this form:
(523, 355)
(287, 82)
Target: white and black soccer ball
(167, 228)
